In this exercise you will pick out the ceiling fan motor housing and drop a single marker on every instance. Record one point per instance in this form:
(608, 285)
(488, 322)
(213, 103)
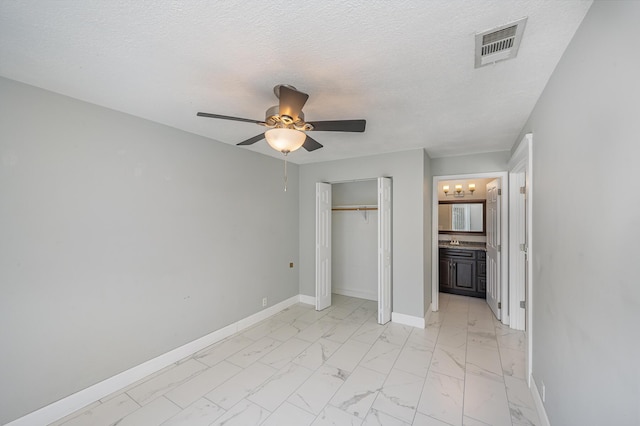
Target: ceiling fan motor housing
(274, 119)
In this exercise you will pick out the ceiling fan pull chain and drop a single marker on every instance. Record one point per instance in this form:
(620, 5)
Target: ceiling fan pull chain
(285, 172)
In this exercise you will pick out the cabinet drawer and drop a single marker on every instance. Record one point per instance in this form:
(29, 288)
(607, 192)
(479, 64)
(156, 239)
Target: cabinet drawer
(458, 253)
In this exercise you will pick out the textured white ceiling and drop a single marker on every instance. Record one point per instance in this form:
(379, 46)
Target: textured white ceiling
(404, 66)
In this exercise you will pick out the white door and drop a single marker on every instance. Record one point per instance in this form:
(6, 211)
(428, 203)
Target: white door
(493, 246)
(323, 245)
(518, 233)
(384, 250)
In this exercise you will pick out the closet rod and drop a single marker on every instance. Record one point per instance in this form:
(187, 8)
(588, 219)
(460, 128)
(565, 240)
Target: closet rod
(353, 208)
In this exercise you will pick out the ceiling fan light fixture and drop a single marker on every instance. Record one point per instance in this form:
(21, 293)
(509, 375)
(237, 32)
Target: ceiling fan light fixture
(285, 140)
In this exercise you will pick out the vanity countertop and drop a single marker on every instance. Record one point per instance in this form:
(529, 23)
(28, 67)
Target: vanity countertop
(467, 245)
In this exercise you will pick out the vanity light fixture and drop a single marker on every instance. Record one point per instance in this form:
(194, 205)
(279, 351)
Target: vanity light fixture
(458, 191)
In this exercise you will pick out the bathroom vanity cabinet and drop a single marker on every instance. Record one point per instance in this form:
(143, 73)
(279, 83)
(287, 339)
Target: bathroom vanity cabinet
(463, 271)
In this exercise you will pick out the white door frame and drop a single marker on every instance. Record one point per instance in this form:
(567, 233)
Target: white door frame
(522, 160)
(504, 212)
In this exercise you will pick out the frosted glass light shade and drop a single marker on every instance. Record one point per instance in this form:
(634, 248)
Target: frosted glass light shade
(285, 140)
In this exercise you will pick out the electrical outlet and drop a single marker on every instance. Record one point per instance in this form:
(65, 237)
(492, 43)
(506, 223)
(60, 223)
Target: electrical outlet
(264, 302)
(544, 391)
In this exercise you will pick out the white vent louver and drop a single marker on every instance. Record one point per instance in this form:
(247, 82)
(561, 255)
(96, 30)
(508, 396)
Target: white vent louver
(499, 44)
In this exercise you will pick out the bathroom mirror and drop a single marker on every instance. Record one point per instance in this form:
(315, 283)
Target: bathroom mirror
(462, 217)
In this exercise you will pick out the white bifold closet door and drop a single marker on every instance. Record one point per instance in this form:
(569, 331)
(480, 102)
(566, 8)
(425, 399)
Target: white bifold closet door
(323, 245)
(384, 250)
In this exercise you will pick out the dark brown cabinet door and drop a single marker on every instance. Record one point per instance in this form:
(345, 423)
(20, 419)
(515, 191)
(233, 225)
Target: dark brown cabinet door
(445, 272)
(482, 269)
(482, 285)
(464, 273)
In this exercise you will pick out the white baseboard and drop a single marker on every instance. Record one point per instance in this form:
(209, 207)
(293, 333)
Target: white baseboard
(356, 293)
(407, 320)
(81, 399)
(542, 413)
(309, 300)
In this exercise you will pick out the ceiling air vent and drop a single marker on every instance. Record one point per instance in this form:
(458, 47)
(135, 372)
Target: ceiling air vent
(500, 43)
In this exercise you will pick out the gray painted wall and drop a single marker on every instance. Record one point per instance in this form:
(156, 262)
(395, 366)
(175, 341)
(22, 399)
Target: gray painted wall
(122, 239)
(475, 163)
(427, 188)
(586, 294)
(407, 170)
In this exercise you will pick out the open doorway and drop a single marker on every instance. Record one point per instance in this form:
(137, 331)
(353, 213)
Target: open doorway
(484, 272)
(353, 242)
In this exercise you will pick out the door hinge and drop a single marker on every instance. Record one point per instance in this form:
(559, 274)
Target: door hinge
(499, 248)
(499, 191)
(523, 247)
(499, 305)
(523, 189)
(523, 304)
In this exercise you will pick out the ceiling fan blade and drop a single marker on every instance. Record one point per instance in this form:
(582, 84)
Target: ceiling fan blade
(252, 140)
(291, 102)
(226, 117)
(339, 125)
(311, 144)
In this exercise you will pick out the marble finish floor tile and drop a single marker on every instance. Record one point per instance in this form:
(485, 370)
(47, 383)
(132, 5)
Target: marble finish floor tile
(201, 413)
(189, 392)
(152, 414)
(277, 388)
(332, 416)
(521, 405)
(285, 353)
(349, 355)
(339, 367)
(485, 399)
(254, 352)
(449, 361)
(442, 398)
(399, 395)
(244, 413)
(107, 413)
(314, 394)
(289, 415)
(241, 385)
(170, 379)
(368, 332)
(359, 392)
(414, 358)
(222, 350)
(396, 334)
(381, 357)
(317, 354)
(378, 418)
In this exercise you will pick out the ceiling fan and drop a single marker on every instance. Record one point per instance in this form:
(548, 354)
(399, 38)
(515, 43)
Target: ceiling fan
(287, 127)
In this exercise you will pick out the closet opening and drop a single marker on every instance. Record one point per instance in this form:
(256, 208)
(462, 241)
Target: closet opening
(353, 242)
